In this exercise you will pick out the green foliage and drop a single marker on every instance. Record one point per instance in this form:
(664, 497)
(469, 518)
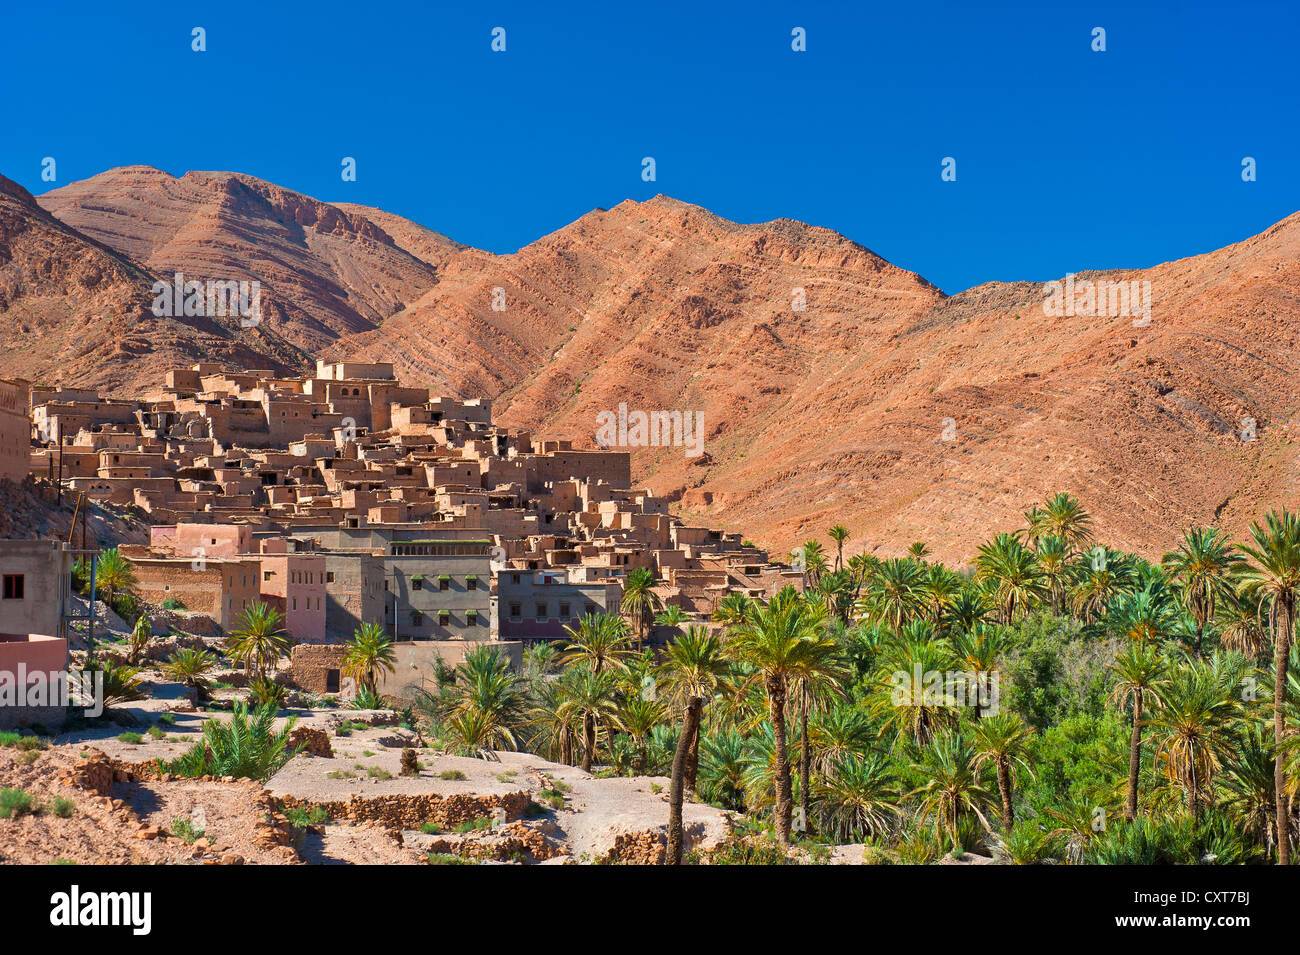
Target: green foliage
(246, 745)
(14, 802)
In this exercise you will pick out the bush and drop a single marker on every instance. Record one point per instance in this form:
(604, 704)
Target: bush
(63, 808)
(13, 803)
(452, 774)
(302, 817)
(171, 603)
(266, 692)
(183, 828)
(245, 746)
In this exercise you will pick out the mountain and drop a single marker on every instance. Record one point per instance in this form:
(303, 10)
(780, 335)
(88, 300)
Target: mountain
(832, 386)
(325, 271)
(75, 312)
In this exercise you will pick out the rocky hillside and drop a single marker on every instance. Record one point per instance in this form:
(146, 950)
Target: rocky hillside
(832, 386)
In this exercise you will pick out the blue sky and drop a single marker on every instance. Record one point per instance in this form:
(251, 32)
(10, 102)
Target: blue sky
(1067, 159)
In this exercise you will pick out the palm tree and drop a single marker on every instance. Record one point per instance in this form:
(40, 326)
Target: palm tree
(723, 757)
(1203, 566)
(780, 641)
(258, 641)
(1064, 517)
(1275, 576)
(191, 668)
(1144, 616)
(817, 679)
(732, 609)
(1054, 560)
(369, 653)
(1011, 569)
(1197, 703)
(893, 592)
(952, 784)
(693, 665)
(141, 634)
(839, 533)
(918, 551)
(857, 800)
(1139, 670)
(488, 687)
(638, 715)
(673, 616)
(589, 695)
(1003, 740)
(114, 574)
(903, 700)
(600, 640)
(640, 603)
(1101, 576)
(1239, 620)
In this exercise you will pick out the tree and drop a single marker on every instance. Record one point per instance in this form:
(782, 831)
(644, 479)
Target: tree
(952, 784)
(640, 603)
(779, 641)
(693, 665)
(589, 695)
(114, 574)
(893, 591)
(1197, 703)
(839, 534)
(490, 700)
(1203, 566)
(258, 641)
(732, 609)
(857, 800)
(1003, 740)
(600, 640)
(141, 634)
(1011, 569)
(191, 668)
(1139, 671)
(1275, 576)
(370, 653)
(1064, 517)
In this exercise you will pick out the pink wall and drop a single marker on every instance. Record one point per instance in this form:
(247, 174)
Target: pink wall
(39, 652)
(296, 587)
(232, 540)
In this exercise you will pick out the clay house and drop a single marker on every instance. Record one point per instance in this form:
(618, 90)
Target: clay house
(35, 581)
(538, 605)
(220, 588)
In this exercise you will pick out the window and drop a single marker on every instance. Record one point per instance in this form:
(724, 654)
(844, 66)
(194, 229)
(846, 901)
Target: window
(564, 610)
(295, 603)
(515, 610)
(541, 611)
(444, 583)
(331, 681)
(471, 583)
(417, 583)
(514, 578)
(329, 576)
(13, 587)
(417, 618)
(591, 608)
(444, 619)
(266, 575)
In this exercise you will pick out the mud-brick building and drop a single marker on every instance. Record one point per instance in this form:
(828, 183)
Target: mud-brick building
(222, 589)
(538, 605)
(15, 429)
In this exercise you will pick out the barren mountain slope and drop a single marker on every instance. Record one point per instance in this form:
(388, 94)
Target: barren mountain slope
(77, 313)
(324, 271)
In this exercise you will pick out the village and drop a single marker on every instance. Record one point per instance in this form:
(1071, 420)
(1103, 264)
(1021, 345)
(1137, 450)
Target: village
(347, 498)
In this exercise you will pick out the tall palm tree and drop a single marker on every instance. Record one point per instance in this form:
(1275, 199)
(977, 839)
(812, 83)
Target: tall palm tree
(1100, 576)
(1054, 560)
(781, 641)
(599, 639)
(839, 533)
(488, 686)
(1204, 566)
(1197, 703)
(811, 558)
(893, 591)
(902, 698)
(638, 715)
(1144, 616)
(370, 653)
(640, 603)
(258, 640)
(1239, 620)
(693, 665)
(817, 679)
(1274, 574)
(1003, 740)
(1139, 671)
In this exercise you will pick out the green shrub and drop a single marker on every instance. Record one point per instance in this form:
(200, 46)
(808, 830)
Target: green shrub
(172, 603)
(183, 828)
(133, 738)
(452, 774)
(13, 803)
(62, 807)
(244, 746)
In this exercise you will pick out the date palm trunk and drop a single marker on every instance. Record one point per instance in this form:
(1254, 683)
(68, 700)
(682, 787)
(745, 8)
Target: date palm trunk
(690, 729)
(1281, 656)
(776, 696)
(1134, 758)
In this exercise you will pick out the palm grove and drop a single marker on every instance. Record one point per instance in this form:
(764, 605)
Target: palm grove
(1140, 713)
(1057, 701)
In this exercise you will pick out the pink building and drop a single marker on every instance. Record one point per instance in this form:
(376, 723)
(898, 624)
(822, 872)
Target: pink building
(295, 585)
(222, 541)
(24, 655)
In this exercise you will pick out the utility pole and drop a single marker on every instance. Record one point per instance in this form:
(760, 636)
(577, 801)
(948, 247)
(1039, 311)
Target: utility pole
(58, 436)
